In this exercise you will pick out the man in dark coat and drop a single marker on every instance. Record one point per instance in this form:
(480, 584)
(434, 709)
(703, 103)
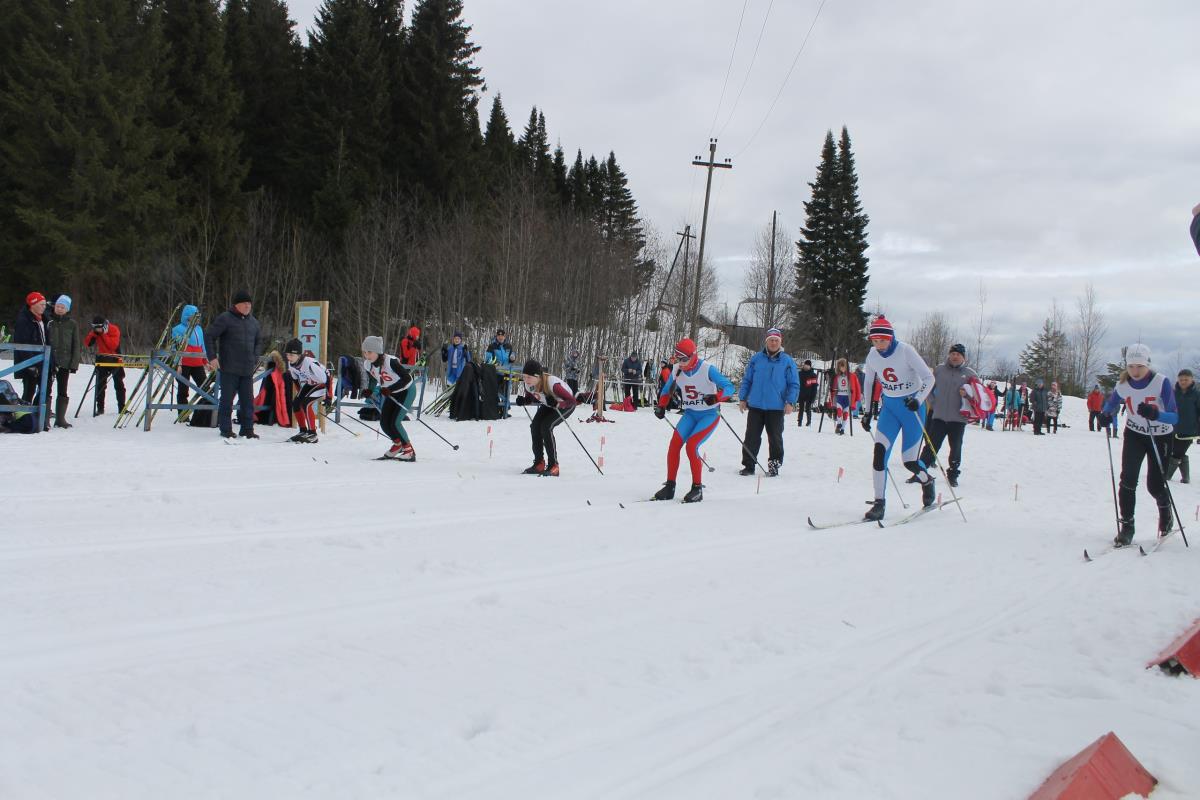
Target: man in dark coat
(30, 328)
(809, 383)
(233, 343)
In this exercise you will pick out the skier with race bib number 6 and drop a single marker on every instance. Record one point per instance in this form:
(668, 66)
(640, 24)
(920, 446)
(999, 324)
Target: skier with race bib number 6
(702, 387)
(906, 380)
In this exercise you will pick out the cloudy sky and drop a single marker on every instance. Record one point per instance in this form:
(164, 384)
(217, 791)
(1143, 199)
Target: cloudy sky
(1034, 146)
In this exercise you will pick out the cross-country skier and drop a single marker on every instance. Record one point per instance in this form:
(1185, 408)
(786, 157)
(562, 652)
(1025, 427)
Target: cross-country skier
(555, 402)
(1150, 417)
(393, 380)
(702, 387)
(907, 381)
(313, 380)
(845, 392)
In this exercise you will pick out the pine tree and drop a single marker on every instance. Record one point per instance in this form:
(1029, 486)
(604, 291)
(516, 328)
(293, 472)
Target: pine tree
(1048, 355)
(533, 150)
(831, 266)
(559, 173)
(437, 113)
(265, 59)
(577, 186)
(347, 111)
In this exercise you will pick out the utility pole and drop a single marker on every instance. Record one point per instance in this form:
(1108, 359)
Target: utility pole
(710, 165)
(684, 285)
(770, 320)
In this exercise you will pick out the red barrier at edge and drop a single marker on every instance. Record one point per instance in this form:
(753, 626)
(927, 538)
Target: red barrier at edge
(1104, 770)
(1183, 654)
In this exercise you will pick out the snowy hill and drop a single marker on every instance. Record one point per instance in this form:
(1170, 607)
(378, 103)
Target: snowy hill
(180, 618)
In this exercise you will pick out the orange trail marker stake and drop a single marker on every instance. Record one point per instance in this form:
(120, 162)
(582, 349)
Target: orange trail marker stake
(841, 472)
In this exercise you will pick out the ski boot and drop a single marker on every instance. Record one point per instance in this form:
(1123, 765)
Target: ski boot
(952, 478)
(395, 450)
(1166, 520)
(695, 494)
(875, 512)
(537, 468)
(551, 471)
(839, 430)
(928, 493)
(773, 469)
(310, 437)
(1185, 470)
(1124, 534)
(407, 453)
(747, 471)
(298, 438)
(667, 492)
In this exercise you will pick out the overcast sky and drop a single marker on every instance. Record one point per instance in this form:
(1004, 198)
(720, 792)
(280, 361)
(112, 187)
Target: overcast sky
(1032, 145)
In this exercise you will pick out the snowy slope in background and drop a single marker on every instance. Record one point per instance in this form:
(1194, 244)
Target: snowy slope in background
(179, 618)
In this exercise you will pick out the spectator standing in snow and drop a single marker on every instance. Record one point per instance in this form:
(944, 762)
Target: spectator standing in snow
(1038, 402)
(500, 353)
(809, 385)
(951, 386)
(1054, 403)
(233, 343)
(631, 376)
(66, 349)
(106, 336)
(1095, 402)
(769, 390)
(30, 328)
(455, 355)
(191, 366)
(1187, 404)
(571, 370)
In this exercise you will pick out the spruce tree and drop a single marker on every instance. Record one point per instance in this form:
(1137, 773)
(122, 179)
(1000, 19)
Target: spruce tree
(265, 59)
(559, 172)
(577, 186)
(437, 112)
(1047, 356)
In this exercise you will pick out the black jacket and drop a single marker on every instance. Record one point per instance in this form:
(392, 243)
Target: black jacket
(809, 381)
(1188, 405)
(236, 341)
(28, 330)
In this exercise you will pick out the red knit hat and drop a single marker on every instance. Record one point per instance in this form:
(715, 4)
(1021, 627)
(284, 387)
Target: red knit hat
(685, 350)
(881, 329)
(33, 298)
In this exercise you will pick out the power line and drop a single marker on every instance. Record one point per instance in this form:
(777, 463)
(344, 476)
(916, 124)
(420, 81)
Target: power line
(783, 85)
(750, 69)
(729, 68)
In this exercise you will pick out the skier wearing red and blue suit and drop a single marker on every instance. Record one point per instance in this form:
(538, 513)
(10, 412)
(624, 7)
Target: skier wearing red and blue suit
(702, 387)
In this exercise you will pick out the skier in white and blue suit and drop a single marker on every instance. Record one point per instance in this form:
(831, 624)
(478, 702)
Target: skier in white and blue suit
(906, 380)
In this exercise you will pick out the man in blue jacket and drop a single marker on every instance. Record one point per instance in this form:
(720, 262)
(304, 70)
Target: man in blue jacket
(769, 391)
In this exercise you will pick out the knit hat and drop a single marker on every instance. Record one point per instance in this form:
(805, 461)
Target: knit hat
(500, 332)
(457, 335)
(241, 296)
(373, 344)
(414, 332)
(33, 298)
(1137, 355)
(295, 346)
(63, 300)
(959, 348)
(98, 320)
(773, 332)
(685, 350)
(881, 329)
(532, 367)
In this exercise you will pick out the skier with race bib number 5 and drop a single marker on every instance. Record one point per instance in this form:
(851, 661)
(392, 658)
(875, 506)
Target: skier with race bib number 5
(906, 380)
(702, 387)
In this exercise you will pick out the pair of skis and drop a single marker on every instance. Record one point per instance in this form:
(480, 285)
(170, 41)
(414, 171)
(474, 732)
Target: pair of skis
(891, 524)
(1141, 549)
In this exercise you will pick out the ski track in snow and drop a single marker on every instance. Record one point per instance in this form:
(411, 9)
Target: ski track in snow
(184, 619)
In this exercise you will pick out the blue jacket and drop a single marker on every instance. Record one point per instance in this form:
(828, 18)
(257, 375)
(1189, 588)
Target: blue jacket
(456, 357)
(770, 382)
(498, 353)
(197, 337)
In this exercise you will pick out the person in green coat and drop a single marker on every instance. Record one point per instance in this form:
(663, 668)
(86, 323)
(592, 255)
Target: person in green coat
(65, 349)
(1187, 401)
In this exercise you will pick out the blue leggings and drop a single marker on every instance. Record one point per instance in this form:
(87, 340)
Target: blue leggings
(694, 428)
(896, 421)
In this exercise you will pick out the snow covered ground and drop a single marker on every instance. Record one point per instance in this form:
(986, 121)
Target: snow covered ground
(179, 618)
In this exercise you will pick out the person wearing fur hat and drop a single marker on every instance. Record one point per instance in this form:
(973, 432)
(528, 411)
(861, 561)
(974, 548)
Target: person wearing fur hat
(313, 380)
(30, 328)
(768, 393)
(845, 392)
(106, 337)
(455, 356)
(66, 349)
(1150, 418)
(394, 380)
(233, 343)
(555, 402)
(702, 387)
(907, 382)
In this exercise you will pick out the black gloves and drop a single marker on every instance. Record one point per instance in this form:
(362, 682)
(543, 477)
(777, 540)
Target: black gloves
(660, 412)
(912, 403)
(866, 422)
(711, 399)
(522, 400)
(1148, 410)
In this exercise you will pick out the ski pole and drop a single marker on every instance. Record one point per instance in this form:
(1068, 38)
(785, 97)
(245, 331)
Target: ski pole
(79, 407)
(1112, 474)
(710, 467)
(360, 422)
(929, 441)
(323, 415)
(1167, 488)
(572, 430)
(896, 487)
(745, 449)
(407, 410)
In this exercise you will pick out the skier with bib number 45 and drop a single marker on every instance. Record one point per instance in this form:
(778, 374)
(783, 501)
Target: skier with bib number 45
(702, 387)
(906, 380)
